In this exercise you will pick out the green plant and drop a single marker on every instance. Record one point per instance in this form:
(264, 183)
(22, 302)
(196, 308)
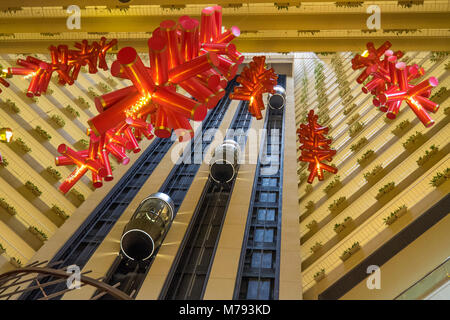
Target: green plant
(103, 87)
(11, 106)
(355, 129)
(401, 126)
(303, 177)
(54, 173)
(438, 55)
(373, 173)
(388, 187)
(349, 251)
(312, 224)
(16, 261)
(310, 205)
(336, 182)
(353, 118)
(348, 4)
(395, 215)
(9, 208)
(22, 145)
(367, 155)
(440, 177)
(60, 212)
(2, 249)
(412, 140)
(4, 163)
(349, 109)
(38, 232)
(58, 120)
(440, 95)
(316, 247)
(84, 143)
(33, 188)
(42, 133)
(74, 113)
(92, 93)
(337, 204)
(319, 275)
(78, 195)
(83, 103)
(428, 155)
(111, 81)
(308, 188)
(359, 144)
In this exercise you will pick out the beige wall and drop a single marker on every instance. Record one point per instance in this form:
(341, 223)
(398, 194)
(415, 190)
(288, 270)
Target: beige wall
(290, 261)
(409, 265)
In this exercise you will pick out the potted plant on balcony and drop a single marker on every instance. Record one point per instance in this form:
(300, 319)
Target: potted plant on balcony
(60, 212)
(38, 233)
(312, 225)
(319, 275)
(366, 157)
(350, 251)
(2, 249)
(308, 189)
(4, 163)
(388, 187)
(428, 155)
(15, 262)
(397, 213)
(333, 185)
(401, 127)
(338, 205)
(11, 106)
(338, 228)
(22, 145)
(359, 144)
(42, 133)
(309, 205)
(58, 120)
(440, 177)
(71, 111)
(374, 174)
(353, 118)
(355, 129)
(316, 247)
(413, 141)
(33, 188)
(8, 208)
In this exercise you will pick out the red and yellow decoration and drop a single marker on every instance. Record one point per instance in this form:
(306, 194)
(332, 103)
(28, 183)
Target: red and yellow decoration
(66, 62)
(390, 83)
(315, 147)
(195, 56)
(255, 80)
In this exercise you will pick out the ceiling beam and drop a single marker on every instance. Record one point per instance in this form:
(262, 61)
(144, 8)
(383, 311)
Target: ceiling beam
(324, 21)
(4, 4)
(413, 43)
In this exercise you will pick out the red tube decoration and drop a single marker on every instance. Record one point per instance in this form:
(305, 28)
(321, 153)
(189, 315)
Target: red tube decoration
(390, 83)
(255, 80)
(151, 105)
(315, 148)
(66, 63)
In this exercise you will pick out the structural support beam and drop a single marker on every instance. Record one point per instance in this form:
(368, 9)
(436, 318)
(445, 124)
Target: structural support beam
(113, 3)
(258, 45)
(281, 21)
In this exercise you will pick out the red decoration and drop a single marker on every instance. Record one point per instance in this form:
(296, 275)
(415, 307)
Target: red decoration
(390, 83)
(194, 56)
(255, 80)
(315, 147)
(67, 63)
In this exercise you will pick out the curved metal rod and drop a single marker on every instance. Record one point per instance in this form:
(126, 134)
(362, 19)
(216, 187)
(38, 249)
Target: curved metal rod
(116, 293)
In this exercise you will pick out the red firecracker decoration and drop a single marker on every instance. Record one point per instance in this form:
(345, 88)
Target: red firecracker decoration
(196, 56)
(315, 147)
(255, 80)
(390, 83)
(66, 62)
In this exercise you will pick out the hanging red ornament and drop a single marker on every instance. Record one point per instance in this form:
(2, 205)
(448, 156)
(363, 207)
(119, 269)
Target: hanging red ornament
(390, 83)
(315, 147)
(64, 61)
(255, 80)
(178, 57)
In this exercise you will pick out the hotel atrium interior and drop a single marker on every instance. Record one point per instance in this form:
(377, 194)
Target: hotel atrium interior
(228, 150)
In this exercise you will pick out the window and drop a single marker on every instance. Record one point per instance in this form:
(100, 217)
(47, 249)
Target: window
(264, 235)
